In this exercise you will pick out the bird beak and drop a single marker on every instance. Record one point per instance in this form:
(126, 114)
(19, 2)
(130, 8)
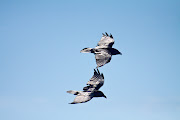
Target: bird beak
(105, 97)
(120, 53)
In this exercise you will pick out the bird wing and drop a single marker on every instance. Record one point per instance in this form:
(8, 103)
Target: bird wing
(92, 87)
(88, 88)
(82, 98)
(106, 41)
(95, 82)
(103, 56)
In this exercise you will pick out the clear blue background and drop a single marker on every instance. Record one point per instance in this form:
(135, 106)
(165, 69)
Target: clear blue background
(40, 59)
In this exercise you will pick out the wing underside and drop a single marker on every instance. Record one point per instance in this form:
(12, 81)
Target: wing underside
(102, 57)
(95, 82)
(106, 41)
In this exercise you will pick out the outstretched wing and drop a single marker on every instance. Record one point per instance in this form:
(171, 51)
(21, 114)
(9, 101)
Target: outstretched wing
(95, 82)
(103, 56)
(106, 41)
(89, 88)
(82, 97)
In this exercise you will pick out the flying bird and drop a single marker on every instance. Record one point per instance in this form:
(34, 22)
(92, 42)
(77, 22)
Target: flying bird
(91, 90)
(103, 51)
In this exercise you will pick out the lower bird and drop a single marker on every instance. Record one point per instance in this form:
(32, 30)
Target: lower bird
(91, 90)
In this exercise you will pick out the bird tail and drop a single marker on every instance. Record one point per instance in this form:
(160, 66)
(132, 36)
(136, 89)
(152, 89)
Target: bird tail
(73, 92)
(87, 50)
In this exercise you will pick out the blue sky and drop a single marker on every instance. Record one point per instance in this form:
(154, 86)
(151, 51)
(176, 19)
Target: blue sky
(40, 59)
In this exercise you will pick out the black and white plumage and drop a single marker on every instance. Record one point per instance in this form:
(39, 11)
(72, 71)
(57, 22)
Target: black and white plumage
(103, 51)
(91, 90)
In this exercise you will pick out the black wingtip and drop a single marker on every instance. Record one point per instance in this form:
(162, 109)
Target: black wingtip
(111, 36)
(106, 34)
(98, 71)
(102, 75)
(95, 72)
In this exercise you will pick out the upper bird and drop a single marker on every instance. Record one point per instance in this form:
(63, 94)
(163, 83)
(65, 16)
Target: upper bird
(103, 51)
(91, 90)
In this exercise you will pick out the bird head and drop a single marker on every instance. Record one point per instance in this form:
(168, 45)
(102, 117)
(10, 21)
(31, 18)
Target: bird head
(115, 51)
(102, 94)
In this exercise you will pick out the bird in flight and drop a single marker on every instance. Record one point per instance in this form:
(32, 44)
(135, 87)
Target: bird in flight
(103, 51)
(91, 90)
